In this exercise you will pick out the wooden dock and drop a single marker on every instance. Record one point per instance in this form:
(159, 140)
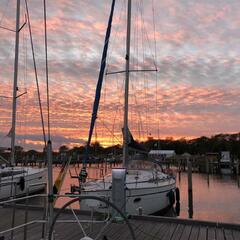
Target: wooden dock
(145, 228)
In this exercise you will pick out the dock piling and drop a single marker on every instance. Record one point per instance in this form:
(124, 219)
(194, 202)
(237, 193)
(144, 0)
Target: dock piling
(207, 169)
(237, 172)
(179, 171)
(190, 194)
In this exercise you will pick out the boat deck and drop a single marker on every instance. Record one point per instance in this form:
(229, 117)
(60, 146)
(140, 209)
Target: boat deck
(145, 227)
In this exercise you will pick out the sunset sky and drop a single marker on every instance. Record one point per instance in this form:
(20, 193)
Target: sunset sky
(195, 92)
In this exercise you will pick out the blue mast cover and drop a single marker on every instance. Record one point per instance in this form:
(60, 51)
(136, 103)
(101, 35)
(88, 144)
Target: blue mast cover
(99, 83)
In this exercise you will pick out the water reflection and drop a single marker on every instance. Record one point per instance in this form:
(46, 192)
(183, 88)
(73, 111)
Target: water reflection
(215, 198)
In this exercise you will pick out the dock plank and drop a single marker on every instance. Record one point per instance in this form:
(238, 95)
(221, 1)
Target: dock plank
(211, 235)
(145, 228)
(145, 231)
(169, 231)
(33, 233)
(202, 233)
(153, 233)
(162, 230)
(236, 235)
(186, 232)
(228, 234)
(219, 234)
(116, 231)
(194, 233)
(178, 232)
(121, 235)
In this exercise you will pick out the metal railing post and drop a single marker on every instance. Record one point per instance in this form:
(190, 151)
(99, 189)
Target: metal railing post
(45, 213)
(14, 211)
(50, 184)
(26, 215)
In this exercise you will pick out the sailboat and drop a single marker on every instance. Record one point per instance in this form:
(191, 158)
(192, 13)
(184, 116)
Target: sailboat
(18, 181)
(148, 190)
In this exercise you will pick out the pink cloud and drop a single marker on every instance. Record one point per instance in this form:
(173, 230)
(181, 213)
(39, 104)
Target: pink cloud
(197, 83)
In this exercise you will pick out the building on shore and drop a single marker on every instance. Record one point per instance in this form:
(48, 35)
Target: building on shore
(162, 153)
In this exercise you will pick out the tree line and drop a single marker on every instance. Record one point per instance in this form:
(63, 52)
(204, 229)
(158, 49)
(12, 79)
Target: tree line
(201, 145)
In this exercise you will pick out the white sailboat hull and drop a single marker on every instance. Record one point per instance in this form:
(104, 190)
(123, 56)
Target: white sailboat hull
(29, 180)
(150, 197)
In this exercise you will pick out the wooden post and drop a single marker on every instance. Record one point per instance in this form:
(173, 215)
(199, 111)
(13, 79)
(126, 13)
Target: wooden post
(190, 194)
(207, 166)
(179, 171)
(207, 170)
(237, 173)
(78, 160)
(105, 166)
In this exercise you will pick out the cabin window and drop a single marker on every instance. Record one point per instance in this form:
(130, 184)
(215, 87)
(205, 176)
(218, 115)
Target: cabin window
(136, 200)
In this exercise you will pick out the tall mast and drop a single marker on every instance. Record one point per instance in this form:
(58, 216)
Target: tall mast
(125, 128)
(14, 97)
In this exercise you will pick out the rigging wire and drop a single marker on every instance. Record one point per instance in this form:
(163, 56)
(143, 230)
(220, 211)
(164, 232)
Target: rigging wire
(145, 33)
(99, 82)
(117, 115)
(25, 83)
(21, 110)
(140, 126)
(109, 130)
(115, 35)
(143, 62)
(118, 109)
(36, 74)
(114, 38)
(156, 60)
(104, 102)
(113, 127)
(24, 99)
(46, 64)
(132, 76)
(4, 12)
(19, 103)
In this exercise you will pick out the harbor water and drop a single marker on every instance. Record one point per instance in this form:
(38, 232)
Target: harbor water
(214, 199)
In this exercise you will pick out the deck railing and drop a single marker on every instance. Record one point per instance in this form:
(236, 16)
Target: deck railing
(44, 220)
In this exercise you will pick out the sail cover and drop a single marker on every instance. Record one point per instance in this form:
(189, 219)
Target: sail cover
(134, 145)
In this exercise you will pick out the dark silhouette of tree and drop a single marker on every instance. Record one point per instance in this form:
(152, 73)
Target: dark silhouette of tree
(201, 145)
